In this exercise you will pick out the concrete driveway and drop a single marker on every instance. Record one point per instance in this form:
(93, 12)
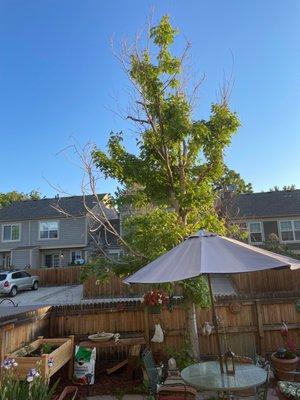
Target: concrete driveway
(50, 295)
(72, 294)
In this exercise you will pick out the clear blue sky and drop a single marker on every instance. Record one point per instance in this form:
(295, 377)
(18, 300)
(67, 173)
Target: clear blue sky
(58, 78)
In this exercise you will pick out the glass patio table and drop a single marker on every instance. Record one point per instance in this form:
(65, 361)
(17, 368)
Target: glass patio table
(207, 376)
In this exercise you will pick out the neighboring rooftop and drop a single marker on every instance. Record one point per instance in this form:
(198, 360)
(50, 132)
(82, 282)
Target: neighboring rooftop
(263, 205)
(57, 207)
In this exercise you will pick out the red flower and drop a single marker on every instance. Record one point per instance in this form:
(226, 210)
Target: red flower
(155, 298)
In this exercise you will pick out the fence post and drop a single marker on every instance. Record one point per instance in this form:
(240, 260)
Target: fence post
(260, 326)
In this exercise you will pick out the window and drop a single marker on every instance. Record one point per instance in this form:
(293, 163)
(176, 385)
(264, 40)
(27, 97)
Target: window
(48, 260)
(48, 229)
(55, 260)
(11, 233)
(255, 230)
(52, 260)
(25, 274)
(76, 255)
(297, 230)
(16, 275)
(114, 254)
(289, 230)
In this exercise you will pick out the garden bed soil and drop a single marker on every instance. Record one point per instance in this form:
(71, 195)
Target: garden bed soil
(40, 351)
(116, 384)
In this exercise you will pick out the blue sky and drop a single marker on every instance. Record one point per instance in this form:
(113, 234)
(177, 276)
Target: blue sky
(58, 78)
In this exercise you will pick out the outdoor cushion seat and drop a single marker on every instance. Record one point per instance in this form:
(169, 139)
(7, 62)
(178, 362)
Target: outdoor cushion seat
(289, 390)
(175, 385)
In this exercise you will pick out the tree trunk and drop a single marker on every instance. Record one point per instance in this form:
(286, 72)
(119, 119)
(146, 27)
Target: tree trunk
(193, 331)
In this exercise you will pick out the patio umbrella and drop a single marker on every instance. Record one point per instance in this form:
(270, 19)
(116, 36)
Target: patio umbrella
(208, 253)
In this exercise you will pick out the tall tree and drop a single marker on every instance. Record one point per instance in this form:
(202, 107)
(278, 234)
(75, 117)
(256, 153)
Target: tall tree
(285, 188)
(231, 178)
(9, 197)
(170, 177)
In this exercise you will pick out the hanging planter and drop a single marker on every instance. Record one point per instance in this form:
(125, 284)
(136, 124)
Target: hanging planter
(154, 309)
(154, 301)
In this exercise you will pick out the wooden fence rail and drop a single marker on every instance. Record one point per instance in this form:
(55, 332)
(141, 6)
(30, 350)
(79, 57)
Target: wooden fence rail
(269, 281)
(57, 276)
(247, 325)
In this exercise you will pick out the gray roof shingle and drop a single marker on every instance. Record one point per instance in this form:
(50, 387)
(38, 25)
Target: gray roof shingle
(264, 204)
(50, 208)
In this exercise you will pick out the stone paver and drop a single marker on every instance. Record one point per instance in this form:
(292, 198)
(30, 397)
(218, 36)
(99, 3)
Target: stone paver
(125, 397)
(200, 396)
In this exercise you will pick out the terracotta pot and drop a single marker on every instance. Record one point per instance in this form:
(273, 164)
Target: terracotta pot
(283, 365)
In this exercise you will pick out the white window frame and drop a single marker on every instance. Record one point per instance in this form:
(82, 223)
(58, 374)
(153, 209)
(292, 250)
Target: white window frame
(11, 240)
(294, 240)
(261, 231)
(45, 221)
(75, 251)
(58, 257)
(115, 252)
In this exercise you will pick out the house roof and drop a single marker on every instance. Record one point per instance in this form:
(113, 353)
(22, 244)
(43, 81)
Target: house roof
(264, 205)
(72, 206)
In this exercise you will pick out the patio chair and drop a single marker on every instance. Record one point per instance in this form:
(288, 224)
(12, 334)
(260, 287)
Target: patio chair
(261, 393)
(172, 388)
(286, 390)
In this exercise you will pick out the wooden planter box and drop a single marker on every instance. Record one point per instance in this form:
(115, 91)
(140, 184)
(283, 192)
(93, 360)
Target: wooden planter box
(60, 356)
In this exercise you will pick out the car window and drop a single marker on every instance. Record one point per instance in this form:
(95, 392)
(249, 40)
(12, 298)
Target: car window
(16, 275)
(2, 277)
(24, 274)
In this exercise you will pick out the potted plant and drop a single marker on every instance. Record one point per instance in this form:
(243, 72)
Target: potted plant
(154, 301)
(285, 359)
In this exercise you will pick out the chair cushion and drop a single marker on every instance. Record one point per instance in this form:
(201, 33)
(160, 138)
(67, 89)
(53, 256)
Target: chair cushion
(177, 388)
(290, 390)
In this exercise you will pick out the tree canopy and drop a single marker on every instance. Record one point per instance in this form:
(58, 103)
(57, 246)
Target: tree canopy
(171, 174)
(285, 188)
(233, 179)
(9, 197)
(168, 181)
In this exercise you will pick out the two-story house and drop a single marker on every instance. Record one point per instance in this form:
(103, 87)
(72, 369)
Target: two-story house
(52, 232)
(262, 214)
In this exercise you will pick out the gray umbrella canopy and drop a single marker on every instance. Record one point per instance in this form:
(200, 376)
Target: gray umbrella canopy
(207, 253)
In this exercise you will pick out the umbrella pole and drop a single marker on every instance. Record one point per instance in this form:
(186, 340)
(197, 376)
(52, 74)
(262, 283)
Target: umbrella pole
(216, 325)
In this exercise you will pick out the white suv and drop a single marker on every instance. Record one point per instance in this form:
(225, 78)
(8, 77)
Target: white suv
(13, 281)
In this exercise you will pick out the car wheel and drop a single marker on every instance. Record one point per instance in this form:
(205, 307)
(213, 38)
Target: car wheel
(13, 291)
(35, 285)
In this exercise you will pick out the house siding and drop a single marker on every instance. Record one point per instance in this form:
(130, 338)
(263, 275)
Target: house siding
(24, 236)
(72, 232)
(20, 258)
(35, 258)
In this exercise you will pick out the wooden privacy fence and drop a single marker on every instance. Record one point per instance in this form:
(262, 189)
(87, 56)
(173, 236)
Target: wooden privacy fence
(246, 323)
(57, 276)
(283, 280)
(15, 331)
(114, 287)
